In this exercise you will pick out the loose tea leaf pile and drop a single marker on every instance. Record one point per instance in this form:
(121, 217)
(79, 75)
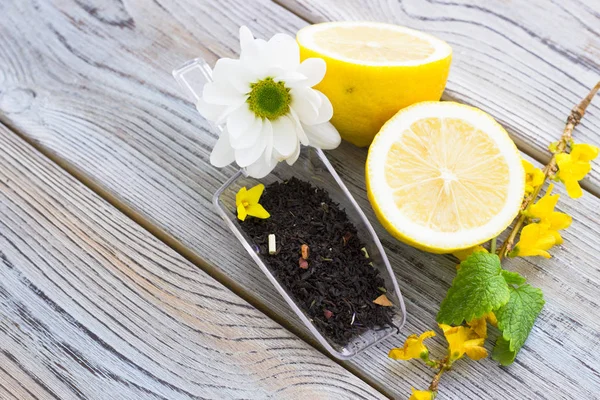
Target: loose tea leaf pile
(338, 286)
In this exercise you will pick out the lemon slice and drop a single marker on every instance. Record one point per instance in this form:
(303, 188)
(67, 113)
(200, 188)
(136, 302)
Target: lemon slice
(374, 70)
(443, 176)
(373, 43)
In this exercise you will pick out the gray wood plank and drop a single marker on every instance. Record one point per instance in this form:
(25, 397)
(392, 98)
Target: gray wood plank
(92, 88)
(93, 306)
(525, 62)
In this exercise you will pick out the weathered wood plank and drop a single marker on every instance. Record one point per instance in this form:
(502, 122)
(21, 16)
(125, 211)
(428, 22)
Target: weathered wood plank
(525, 62)
(93, 89)
(93, 306)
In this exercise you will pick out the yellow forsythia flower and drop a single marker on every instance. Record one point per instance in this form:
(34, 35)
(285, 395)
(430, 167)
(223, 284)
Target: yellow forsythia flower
(535, 240)
(421, 395)
(479, 325)
(544, 211)
(463, 340)
(534, 176)
(574, 166)
(246, 202)
(413, 347)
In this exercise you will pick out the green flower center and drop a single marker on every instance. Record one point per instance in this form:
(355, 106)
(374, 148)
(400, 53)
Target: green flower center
(269, 99)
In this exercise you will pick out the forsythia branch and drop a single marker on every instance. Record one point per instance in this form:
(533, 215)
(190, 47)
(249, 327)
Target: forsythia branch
(436, 379)
(573, 120)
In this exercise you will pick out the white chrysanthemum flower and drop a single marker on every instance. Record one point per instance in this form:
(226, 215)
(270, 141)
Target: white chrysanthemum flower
(266, 105)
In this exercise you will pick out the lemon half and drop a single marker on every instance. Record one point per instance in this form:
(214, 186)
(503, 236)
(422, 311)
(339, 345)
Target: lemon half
(443, 176)
(373, 70)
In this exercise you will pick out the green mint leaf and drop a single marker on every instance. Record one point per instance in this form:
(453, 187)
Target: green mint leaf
(513, 278)
(516, 318)
(478, 288)
(502, 352)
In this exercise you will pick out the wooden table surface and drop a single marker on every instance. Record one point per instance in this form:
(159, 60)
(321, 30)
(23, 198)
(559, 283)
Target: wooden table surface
(114, 281)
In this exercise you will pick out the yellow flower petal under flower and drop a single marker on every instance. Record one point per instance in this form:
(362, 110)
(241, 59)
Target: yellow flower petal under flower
(421, 395)
(584, 152)
(462, 255)
(246, 202)
(253, 195)
(535, 240)
(413, 347)
(241, 212)
(463, 340)
(534, 176)
(544, 206)
(544, 211)
(258, 211)
(574, 166)
(491, 318)
(479, 325)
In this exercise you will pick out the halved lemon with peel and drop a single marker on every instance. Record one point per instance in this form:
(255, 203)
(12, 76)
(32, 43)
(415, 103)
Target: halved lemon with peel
(443, 176)
(373, 70)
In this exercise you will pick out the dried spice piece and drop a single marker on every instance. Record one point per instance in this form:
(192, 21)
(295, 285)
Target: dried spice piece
(383, 301)
(328, 314)
(304, 250)
(272, 244)
(339, 278)
(303, 263)
(346, 238)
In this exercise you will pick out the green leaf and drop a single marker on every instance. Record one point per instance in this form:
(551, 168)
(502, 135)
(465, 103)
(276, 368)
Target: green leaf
(516, 318)
(502, 352)
(478, 288)
(513, 278)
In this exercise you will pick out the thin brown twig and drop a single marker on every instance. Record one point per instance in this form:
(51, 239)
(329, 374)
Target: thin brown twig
(550, 169)
(436, 379)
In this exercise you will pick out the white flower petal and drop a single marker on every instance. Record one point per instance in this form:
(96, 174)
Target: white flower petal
(294, 157)
(314, 69)
(323, 136)
(246, 39)
(224, 69)
(306, 109)
(220, 93)
(267, 133)
(283, 51)
(209, 111)
(285, 140)
(252, 54)
(228, 110)
(251, 135)
(239, 121)
(299, 130)
(222, 154)
(231, 72)
(325, 110)
(246, 157)
(290, 78)
(261, 168)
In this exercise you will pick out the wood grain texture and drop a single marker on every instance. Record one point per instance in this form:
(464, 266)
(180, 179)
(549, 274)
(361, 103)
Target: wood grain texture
(525, 62)
(91, 86)
(92, 306)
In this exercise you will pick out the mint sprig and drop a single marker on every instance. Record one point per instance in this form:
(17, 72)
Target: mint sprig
(513, 278)
(502, 352)
(516, 318)
(478, 288)
(482, 286)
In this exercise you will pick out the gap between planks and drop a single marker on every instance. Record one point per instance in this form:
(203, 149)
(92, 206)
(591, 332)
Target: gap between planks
(541, 157)
(190, 256)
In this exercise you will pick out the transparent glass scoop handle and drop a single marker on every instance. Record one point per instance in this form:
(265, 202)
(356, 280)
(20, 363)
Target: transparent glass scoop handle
(192, 76)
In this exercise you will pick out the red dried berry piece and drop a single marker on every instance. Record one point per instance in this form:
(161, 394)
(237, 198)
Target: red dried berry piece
(303, 263)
